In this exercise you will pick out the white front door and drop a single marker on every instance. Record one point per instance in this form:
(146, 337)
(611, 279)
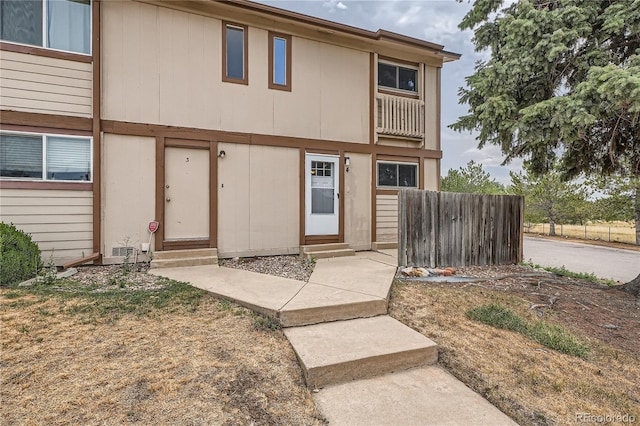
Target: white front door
(186, 206)
(321, 194)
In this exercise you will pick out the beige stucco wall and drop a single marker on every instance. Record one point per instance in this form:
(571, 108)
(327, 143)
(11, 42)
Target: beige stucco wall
(40, 84)
(386, 218)
(164, 66)
(258, 200)
(357, 204)
(431, 123)
(431, 177)
(60, 221)
(128, 191)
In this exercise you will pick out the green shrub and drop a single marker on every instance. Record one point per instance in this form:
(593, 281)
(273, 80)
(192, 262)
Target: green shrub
(498, 316)
(546, 334)
(19, 256)
(557, 338)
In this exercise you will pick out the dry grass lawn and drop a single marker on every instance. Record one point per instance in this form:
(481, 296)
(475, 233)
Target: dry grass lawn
(532, 384)
(114, 348)
(70, 360)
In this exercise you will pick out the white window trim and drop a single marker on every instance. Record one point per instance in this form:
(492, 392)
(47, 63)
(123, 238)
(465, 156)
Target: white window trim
(44, 137)
(45, 40)
(399, 65)
(378, 186)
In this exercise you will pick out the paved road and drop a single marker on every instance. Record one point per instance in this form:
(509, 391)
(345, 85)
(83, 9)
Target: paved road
(604, 262)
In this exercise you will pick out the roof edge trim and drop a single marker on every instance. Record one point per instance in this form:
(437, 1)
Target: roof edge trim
(335, 26)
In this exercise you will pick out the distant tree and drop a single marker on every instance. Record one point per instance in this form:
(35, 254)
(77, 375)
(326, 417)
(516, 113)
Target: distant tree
(472, 179)
(561, 86)
(549, 198)
(616, 201)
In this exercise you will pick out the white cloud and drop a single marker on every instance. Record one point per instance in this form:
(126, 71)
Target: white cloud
(411, 16)
(334, 5)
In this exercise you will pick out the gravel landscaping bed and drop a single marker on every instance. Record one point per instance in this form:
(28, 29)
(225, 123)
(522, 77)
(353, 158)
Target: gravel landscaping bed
(293, 267)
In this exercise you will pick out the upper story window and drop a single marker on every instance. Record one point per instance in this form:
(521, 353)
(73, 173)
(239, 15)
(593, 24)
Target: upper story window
(234, 53)
(397, 77)
(395, 175)
(55, 24)
(45, 157)
(279, 61)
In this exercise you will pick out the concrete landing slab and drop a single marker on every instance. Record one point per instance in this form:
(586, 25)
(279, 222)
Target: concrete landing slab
(387, 256)
(358, 275)
(319, 303)
(422, 396)
(262, 293)
(346, 350)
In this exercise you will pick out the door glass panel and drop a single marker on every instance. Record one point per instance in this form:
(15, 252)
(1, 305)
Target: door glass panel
(321, 200)
(322, 188)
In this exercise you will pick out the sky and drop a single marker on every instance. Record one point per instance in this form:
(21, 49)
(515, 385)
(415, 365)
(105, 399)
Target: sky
(431, 20)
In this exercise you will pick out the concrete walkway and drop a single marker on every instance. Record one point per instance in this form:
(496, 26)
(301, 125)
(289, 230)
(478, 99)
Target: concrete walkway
(368, 368)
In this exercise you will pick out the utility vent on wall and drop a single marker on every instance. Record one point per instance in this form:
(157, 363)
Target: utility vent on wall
(122, 251)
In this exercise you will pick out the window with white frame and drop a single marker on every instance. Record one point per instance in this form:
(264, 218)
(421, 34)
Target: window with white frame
(45, 157)
(396, 175)
(397, 77)
(55, 24)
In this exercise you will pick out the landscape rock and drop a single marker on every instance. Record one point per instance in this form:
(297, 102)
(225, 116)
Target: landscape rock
(427, 272)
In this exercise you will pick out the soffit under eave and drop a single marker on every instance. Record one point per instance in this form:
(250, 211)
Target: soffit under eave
(384, 43)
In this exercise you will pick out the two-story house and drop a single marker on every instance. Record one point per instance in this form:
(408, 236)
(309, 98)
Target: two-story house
(235, 125)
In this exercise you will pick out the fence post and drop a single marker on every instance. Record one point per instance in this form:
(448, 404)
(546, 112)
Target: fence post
(609, 234)
(585, 231)
(561, 231)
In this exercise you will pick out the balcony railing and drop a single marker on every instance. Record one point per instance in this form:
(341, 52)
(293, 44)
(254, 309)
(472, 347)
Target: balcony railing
(400, 116)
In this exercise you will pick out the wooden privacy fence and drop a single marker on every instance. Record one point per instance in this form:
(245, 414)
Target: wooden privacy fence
(451, 229)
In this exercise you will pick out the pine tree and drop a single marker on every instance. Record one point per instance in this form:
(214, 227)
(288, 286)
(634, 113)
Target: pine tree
(562, 86)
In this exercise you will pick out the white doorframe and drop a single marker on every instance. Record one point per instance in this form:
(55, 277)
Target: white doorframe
(322, 184)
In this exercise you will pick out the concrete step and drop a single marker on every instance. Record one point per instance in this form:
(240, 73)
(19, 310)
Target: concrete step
(187, 261)
(337, 352)
(179, 254)
(179, 258)
(321, 247)
(384, 245)
(324, 254)
(329, 305)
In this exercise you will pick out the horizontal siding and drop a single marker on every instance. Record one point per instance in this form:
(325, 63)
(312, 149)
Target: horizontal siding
(40, 210)
(60, 221)
(46, 96)
(45, 85)
(386, 218)
(52, 83)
